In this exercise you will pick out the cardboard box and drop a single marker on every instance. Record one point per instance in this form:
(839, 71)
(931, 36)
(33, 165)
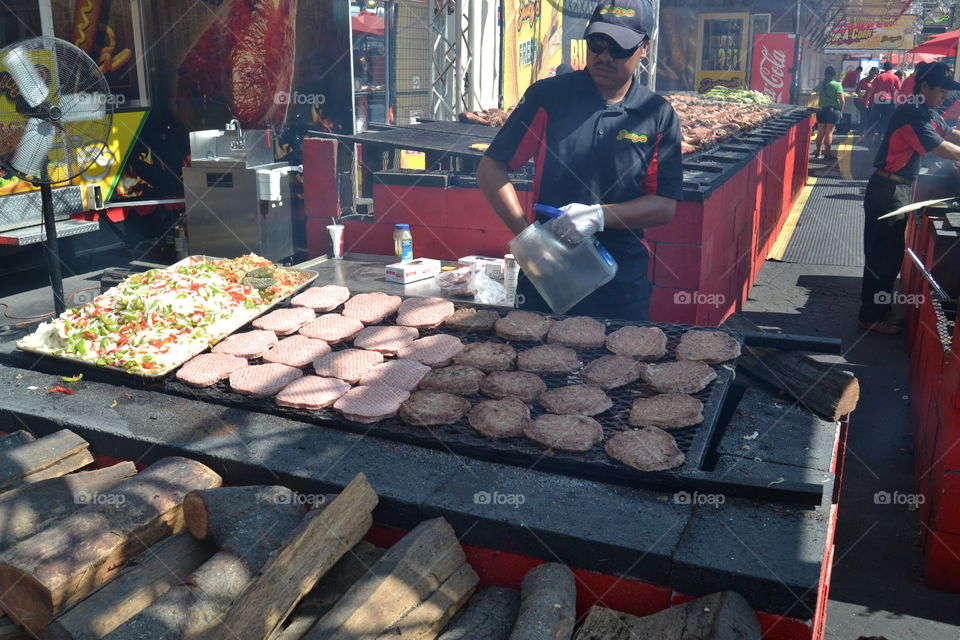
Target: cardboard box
(493, 266)
(406, 272)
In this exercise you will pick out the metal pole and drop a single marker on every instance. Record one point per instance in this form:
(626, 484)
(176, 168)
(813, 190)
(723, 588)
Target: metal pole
(652, 52)
(795, 89)
(52, 247)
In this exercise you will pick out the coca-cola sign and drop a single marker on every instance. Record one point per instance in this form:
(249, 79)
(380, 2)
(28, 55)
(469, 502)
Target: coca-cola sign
(770, 71)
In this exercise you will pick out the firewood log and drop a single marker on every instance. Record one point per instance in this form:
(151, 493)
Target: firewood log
(17, 463)
(547, 604)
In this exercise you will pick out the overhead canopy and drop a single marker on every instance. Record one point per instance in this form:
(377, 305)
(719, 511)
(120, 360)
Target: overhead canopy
(367, 24)
(940, 45)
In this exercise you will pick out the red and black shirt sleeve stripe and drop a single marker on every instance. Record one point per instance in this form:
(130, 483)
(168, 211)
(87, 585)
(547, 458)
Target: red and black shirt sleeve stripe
(664, 175)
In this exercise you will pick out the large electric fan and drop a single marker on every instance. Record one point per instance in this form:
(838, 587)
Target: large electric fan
(56, 118)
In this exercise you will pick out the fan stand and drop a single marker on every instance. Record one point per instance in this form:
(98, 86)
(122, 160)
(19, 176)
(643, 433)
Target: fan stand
(51, 244)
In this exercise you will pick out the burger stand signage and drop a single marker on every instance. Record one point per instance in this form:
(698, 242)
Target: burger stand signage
(897, 35)
(532, 44)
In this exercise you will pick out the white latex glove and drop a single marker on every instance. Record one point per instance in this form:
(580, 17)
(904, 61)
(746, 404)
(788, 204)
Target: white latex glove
(578, 222)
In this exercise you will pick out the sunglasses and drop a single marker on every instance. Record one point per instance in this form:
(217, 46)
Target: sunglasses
(598, 44)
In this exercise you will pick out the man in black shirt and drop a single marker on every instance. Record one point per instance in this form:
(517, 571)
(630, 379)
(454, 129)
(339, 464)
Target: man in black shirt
(606, 151)
(915, 129)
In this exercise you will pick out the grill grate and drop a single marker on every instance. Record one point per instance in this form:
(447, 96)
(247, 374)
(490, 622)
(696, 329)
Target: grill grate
(461, 438)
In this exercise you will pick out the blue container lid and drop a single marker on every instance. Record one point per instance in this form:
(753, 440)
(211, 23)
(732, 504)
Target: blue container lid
(401, 226)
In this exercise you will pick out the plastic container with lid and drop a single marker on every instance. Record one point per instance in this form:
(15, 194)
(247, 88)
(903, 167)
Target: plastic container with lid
(563, 274)
(403, 242)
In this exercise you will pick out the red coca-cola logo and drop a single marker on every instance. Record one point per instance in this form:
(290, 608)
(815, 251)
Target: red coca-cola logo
(773, 71)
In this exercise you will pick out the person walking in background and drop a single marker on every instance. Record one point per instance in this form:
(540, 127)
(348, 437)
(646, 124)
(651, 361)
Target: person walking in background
(830, 103)
(865, 116)
(883, 97)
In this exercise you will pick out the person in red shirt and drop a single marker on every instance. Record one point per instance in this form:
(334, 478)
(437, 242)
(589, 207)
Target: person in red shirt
(883, 97)
(851, 77)
(863, 87)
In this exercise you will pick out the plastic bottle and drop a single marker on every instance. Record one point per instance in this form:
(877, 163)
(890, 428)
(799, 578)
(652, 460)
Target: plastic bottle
(403, 242)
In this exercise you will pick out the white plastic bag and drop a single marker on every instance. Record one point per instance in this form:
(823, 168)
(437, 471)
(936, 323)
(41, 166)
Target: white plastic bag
(472, 281)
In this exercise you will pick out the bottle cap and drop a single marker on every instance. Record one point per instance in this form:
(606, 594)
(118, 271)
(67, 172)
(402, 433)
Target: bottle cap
(402, 226)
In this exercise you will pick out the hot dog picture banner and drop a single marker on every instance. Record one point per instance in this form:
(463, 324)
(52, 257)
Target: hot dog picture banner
(532, 44)
(895, 36)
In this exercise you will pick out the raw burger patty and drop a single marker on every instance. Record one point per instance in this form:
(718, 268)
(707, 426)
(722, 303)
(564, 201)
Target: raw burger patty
(252, 344)
(322, 299)
(400, 374)
(578, 333)
(431, 408)
(370, 404)
(679, 377)
(349, 365)
(424, 312)
(567, 433)
(643, 343)
(312, 392)
(458, 378)
(523, 326)
(435, 351)
(649, 449)
(712, 347)
(666, 411)
(385, 339)
(610, 372)
(332, 328)
(297, 351)
(578, 399)
(283, 322)
(472, 320)
(488, 356)
(371, 308)
(263, 380)
(521, 385)
(548, 358)
(500, 418)
(209, 368)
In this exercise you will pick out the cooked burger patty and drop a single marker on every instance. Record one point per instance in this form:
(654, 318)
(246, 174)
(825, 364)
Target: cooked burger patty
(567, 433)
(611, 372)
(523, 326)
(468, 319)
(643, 343)
(579, 399)
(712, 347)
(666, 411)
(679, 377)
(649, 449)
(431, 408)
(548, 358)
(500, 418)
(207, 369)
(522, 385)
(457, 378)
(578, 332)
(488, 356)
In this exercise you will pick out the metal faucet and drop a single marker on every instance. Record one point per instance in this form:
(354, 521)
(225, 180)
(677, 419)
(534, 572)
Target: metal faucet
(237, 143)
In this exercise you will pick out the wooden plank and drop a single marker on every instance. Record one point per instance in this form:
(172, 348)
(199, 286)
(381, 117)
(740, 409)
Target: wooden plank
(331, 587)
(41, 575)
(145, 578)
(61, 468)
(19, 462)
(547, 604)
(425, 621)
(16, 439)
(409, 571)
(313, 549)
(825, 389)
(31, 507)
(10, 631)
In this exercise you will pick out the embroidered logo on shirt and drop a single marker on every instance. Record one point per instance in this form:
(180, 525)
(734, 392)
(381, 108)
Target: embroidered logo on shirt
(619, 12)
(632, 137)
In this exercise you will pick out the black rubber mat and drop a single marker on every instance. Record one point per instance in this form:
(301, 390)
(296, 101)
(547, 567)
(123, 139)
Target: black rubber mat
(830, 228)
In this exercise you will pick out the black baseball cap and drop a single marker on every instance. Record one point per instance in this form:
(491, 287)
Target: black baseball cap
(937, 74)
(626, 22)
